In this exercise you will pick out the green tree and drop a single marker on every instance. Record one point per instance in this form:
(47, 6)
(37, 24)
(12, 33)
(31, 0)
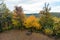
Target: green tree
(19, 16)
(46, 18)
(5, 15)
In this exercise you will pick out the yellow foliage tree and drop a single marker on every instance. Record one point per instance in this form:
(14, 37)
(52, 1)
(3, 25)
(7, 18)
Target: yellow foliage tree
(32, 22)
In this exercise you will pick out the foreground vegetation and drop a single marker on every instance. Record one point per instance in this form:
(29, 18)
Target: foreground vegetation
(45, 23)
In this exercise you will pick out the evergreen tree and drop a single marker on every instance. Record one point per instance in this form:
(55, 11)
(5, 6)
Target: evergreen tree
(46, 18)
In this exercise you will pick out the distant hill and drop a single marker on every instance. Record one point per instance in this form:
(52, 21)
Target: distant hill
(57, 14)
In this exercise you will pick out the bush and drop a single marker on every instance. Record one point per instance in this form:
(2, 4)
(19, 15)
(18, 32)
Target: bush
(46, 22)
(32, 22)
(57, 28)
(16, 23)
(7, 28)
(56, 19)
(48, 31)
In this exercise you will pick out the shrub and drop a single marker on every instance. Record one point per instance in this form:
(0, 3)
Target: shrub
(7, 28)
(32, 22)
(46, 22)
(16, 23)
(48, 31)
(57, 28)
(56, 19)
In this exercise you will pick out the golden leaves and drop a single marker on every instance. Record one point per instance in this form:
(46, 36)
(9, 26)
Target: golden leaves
(32, 22)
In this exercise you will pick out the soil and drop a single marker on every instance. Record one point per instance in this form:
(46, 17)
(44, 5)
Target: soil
(22, 35)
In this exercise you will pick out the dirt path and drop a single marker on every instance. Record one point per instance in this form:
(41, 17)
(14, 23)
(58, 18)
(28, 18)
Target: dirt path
(21, 35)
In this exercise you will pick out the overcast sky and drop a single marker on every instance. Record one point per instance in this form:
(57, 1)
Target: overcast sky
(33, 6)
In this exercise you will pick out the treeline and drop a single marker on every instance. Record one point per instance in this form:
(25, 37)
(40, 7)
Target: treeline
(46, 23)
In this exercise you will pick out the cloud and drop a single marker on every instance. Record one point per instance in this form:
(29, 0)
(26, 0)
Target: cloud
(10, 0)
(56, 9)
(32, 6)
